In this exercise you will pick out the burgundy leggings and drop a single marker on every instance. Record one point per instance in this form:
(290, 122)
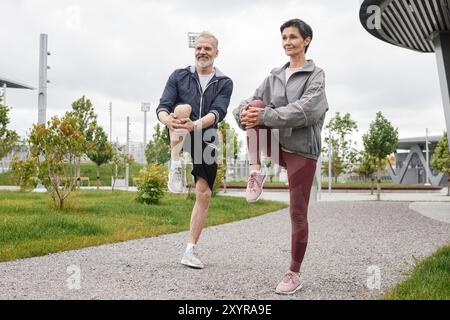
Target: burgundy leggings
(300, 172)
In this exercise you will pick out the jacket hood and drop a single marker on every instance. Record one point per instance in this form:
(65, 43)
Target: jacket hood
(218, 73)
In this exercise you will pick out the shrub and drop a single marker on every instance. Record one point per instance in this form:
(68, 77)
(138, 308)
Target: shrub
(152, 184)
(24, 174)
(218, 183)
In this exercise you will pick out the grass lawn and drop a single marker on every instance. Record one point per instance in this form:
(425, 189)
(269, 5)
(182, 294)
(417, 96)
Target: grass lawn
(30, 226)
(430, 280)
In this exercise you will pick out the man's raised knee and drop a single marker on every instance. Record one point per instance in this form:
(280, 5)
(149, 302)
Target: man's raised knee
(183, 111)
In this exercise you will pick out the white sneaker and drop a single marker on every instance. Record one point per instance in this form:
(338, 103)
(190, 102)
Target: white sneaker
(175, 184)
(191, 259)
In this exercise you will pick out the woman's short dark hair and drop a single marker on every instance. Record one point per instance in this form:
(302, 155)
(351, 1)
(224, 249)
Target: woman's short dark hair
(304, 28)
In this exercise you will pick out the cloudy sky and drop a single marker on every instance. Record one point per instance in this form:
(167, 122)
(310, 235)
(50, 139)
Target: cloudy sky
(123, 52)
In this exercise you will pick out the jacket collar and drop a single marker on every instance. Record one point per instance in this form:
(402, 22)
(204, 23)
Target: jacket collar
(280, 72)
(217, 72)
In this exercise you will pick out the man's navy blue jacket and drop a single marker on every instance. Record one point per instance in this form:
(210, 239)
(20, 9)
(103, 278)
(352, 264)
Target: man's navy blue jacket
(183, 87)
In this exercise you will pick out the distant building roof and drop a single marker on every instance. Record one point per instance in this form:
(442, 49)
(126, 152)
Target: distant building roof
(14, 84)
(407, 143)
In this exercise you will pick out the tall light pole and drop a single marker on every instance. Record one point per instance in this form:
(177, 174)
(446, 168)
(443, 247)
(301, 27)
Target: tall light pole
(145, 107)
(330, 156)
(43, 67)
(127, 168)
(110, 122)
(192, 39)
(427, 169)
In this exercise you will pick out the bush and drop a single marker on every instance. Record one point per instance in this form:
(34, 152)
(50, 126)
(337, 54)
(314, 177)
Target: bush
(218, 183)
(24, 174)
(152, 184)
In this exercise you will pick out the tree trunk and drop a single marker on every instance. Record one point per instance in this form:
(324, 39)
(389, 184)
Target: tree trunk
(78, 173)
(372, 185)
(378, 179)
(224, 185)
(98, 177)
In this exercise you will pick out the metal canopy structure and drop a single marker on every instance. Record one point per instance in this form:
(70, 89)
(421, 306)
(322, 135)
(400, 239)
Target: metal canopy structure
(419, 25)
(410, 24)
(408, 143)
(13, 84)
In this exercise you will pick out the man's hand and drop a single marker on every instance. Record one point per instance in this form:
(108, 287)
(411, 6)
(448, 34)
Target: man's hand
(186, 124)
(169, 120)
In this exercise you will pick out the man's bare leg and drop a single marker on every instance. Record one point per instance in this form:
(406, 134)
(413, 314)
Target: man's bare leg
(199, 213)
(177, 137)
(200, 210)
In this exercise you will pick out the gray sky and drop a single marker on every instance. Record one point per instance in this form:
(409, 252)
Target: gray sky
(124, 51)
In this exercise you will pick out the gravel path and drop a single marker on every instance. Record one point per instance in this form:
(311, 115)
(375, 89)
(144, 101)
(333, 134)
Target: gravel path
(244, 260)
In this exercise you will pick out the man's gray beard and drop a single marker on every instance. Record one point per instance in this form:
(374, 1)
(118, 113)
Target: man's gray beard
(204, 64)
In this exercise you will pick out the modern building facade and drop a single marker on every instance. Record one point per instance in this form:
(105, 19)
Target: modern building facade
(410, 165)
(419, 25)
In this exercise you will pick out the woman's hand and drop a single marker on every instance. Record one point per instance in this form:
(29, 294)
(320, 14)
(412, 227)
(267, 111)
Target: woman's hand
(252, 117)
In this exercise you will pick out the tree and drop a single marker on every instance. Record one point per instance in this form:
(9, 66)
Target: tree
(8, 138)
(119, 162)
(83, 112)
(55, 148)
(379, 142)
(340, 130)
(158, 149)
(441, 158)
(367, 167)
(228, 148)
(101, 152)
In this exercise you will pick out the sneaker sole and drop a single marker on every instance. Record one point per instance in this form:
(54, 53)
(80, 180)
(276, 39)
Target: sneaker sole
(291, 292)
(190, 265)
(262, 190)
(171, 190)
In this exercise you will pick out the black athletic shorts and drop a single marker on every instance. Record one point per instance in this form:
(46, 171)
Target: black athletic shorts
(204, 159)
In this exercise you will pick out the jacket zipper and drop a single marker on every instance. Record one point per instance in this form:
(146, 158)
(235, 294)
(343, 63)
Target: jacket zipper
(201, 94)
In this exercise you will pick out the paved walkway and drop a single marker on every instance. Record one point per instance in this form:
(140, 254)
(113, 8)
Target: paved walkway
(244, 260)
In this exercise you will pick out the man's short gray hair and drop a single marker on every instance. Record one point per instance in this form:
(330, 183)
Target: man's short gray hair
(206, 34)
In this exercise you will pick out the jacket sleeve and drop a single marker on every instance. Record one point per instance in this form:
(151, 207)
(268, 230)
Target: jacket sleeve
(258, 95)
(301, 113)
(221, 102)
(169, 96)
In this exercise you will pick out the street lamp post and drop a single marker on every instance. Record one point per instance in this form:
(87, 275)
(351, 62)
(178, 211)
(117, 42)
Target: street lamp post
(127, 167)
(427, 169)
(330, 155)
(145, 107)
(110, 122)
(192, 38)
(43, 67)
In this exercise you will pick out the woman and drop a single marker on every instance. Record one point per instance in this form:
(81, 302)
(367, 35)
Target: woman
(284, 117)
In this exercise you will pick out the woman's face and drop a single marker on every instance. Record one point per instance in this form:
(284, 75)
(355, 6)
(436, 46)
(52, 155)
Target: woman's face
(293, 42)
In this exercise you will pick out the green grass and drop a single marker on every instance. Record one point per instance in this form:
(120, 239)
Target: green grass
(86, 170)
(31, 226)
(429, 280)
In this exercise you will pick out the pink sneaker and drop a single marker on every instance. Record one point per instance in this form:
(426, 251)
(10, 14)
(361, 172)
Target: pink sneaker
(255, 186)
(290, 284)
